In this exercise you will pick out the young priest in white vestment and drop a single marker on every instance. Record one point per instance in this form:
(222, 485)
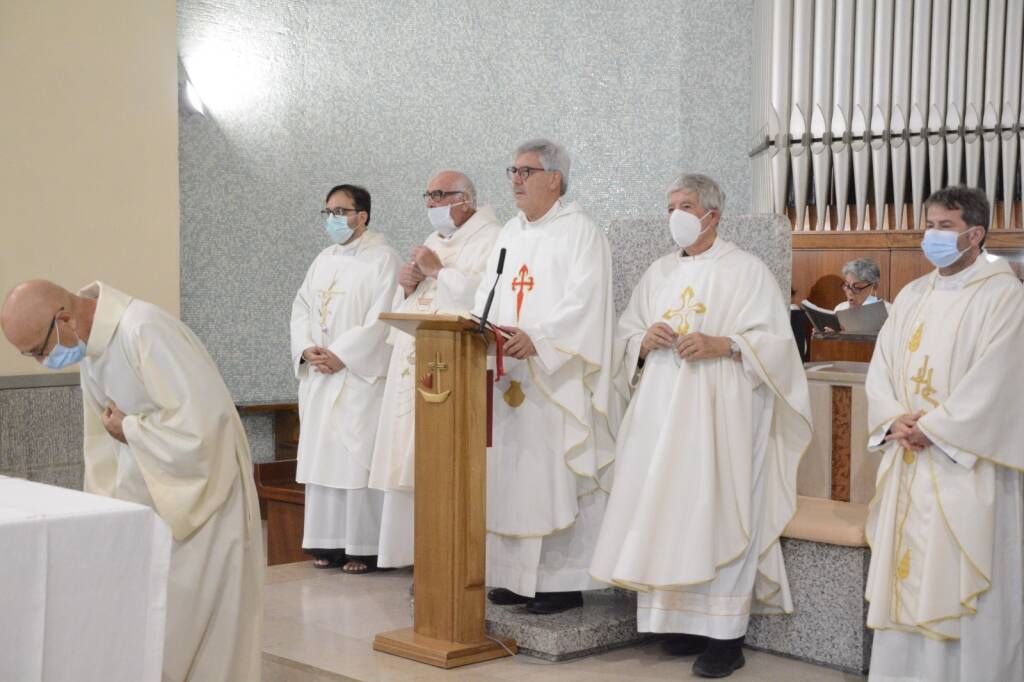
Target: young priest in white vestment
(441, 277)
(555, 413)
(340, 357)
(162, 430)
(708, 450)
(946, 525)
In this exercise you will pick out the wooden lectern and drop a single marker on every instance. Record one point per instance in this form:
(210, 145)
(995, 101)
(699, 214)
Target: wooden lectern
(451, 433)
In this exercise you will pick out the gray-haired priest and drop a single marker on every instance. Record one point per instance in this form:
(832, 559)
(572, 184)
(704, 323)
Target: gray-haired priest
(708, 450)
(555, 413)
(946, 525)
(441, 277)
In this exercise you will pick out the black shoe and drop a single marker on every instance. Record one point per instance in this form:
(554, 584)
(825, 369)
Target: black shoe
(503, 597)
(722, 658)
(685, 645)
(548, 603)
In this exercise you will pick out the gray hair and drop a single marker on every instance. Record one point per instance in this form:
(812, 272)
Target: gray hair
(710, 195)
(864, 269)
(466, 185)
(553, 157)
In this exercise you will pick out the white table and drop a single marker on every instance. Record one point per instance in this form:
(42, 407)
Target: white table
(83, 584)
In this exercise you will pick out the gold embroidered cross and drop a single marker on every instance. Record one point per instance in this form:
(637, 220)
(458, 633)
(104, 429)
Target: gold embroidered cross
(326, 295)
(923, 381)
(687, 308)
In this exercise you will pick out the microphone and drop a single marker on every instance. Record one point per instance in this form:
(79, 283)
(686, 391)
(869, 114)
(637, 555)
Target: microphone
(490, 296)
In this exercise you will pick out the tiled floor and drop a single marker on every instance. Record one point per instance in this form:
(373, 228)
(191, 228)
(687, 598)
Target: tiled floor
(320, 625)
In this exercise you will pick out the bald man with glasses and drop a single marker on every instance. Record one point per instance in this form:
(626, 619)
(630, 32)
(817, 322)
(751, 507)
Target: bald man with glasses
(441, 276)
(162, 430)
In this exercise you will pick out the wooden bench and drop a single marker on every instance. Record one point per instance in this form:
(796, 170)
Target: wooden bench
(282, 503)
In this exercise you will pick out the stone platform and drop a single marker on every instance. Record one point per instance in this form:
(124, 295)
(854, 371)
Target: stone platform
(606, 621)
(827, 627)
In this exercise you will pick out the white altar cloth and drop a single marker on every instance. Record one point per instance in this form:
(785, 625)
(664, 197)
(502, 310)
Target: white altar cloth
(83, 583)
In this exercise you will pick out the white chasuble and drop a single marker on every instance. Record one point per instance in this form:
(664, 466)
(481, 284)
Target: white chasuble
(945, 524)
(555, 414)
(337, 307)
(187, 457)
(463, 257)
(708, 450)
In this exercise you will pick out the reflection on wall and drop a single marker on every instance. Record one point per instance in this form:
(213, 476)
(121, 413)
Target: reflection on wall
(303, 95)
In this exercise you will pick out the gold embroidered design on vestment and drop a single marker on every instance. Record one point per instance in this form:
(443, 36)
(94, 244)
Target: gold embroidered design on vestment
(326, 296)
(915, 340)
(903, 569)
(687, 308)
(923, 381)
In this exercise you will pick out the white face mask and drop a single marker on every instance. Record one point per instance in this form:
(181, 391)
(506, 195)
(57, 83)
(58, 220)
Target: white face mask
(686, 227)
(441, 218)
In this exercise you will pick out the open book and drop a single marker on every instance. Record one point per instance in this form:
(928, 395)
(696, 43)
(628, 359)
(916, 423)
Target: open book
(865, 319)
(820, 317)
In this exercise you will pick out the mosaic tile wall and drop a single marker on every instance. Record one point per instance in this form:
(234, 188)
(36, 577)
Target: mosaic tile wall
(41, 435)
(303, 95)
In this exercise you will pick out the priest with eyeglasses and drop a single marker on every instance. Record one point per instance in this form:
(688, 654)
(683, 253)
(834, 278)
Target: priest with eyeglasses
(440, 277)
(340, 358)
(555, 415)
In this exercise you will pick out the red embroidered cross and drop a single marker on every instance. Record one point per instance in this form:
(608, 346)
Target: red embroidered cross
(523, 283)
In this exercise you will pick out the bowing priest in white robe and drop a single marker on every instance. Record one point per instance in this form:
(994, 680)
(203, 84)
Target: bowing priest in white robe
(946, 524)
(708, 449)
(340, 358)
(441, 277)
(555, 413)
(162, 430)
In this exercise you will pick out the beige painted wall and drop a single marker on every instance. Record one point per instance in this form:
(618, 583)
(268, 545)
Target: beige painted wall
(88, 149)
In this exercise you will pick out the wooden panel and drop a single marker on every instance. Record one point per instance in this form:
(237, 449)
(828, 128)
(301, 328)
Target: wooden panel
(284, 533)
(841, 408)
(823, 350)
(817, 273)
(286, 434)
(435, 490)
(906, 267)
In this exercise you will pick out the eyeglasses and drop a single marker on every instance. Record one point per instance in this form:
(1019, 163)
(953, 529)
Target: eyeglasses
(523, 172)
(41, 352)
(338, 212)
(439, 194)
(856, 288)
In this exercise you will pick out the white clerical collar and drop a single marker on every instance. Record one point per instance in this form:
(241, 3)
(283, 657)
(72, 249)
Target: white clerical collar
(555, 209)
(959, 279)
(712, 252)
(353, 246)
(475, 222)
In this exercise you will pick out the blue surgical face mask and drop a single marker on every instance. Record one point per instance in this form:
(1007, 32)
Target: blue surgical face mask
(64, 356)
(338, 229)
(939, 246)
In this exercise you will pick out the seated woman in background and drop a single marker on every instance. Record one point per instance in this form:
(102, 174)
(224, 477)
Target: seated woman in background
(860, 284)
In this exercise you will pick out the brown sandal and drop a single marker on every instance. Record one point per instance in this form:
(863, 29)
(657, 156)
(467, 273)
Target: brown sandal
(359, 565)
